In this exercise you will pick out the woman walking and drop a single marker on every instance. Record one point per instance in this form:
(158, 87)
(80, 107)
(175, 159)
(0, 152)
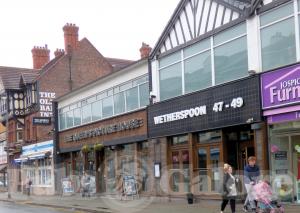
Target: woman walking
(229, 189)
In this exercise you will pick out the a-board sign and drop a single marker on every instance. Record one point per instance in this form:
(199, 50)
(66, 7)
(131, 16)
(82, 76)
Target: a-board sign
(129, 185)
(67, 186)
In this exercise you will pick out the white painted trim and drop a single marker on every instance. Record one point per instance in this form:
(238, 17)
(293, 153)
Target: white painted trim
(297, 36)
(213, 78)
(156, 79)
(253, 47)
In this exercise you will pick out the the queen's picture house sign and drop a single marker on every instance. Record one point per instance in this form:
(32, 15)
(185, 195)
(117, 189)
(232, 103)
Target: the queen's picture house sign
(230, 104)
(105, 130)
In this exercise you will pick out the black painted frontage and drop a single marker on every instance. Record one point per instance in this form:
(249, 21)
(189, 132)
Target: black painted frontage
(195, 134)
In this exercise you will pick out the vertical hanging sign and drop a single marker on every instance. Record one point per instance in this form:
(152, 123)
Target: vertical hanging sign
(45, 101)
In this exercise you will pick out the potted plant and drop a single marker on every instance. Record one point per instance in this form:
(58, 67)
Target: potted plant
(98, 147)
(85, 149)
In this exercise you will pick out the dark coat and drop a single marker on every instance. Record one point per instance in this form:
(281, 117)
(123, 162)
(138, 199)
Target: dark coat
(227, 185)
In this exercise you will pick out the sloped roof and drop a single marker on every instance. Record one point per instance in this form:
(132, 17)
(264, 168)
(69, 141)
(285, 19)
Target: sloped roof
(10, 76)
(119, 63)
(116, 63)
(28, 78)
(196, 18)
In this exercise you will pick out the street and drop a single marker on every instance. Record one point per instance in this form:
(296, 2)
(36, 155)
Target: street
(6, 207)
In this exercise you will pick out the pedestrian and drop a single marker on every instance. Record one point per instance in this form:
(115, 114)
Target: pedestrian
(251, 177)
(85, 184)
(229, 188)
(28, 185)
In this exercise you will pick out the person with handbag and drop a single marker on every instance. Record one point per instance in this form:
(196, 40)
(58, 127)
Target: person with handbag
(229, 189)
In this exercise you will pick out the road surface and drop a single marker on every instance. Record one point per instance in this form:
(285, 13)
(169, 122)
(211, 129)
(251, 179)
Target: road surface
(6, 207)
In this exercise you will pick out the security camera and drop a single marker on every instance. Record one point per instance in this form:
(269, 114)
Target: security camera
(152, 94)
(251, 72)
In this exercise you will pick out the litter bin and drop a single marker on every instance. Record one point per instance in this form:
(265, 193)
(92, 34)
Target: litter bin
(190, 198)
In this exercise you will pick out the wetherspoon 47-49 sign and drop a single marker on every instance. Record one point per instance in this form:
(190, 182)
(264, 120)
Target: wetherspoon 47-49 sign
(224, 105)
(281, 87)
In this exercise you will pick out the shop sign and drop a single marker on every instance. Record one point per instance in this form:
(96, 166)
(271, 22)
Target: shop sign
(46, 146)
(198, 111)
(234, 103)
(45, 101)
(281, 87)
(105, 130)
(281, 155)
(41, 121)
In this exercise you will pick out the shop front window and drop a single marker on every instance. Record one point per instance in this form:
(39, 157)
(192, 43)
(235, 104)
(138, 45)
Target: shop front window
(44, 170)
(180, 140)
(284, 146)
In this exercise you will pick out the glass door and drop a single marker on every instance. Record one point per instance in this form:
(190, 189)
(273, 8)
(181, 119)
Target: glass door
(295, 141)
(180, 172)
(208, 171)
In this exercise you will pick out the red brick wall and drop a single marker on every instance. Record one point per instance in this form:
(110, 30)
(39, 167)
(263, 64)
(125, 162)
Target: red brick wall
(87, 64)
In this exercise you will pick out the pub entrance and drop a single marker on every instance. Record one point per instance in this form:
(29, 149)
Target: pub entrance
(238, 146)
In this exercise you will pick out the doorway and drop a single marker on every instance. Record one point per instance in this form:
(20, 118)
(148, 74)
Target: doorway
(238, 146)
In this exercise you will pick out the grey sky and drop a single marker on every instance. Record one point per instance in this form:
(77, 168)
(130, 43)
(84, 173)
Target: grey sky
(116, 27)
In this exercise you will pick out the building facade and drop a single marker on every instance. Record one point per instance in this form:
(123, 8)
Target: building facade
(29, 102)
(280, 103)
(201, 70)
(103, 130)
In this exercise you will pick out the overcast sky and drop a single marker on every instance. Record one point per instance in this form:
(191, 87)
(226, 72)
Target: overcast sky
(116, 28)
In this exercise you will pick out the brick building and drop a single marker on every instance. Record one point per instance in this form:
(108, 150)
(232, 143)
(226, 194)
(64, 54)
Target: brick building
(28, 95)
(102, 130)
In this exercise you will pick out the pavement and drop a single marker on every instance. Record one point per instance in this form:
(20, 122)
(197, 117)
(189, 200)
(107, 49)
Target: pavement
(106, 204)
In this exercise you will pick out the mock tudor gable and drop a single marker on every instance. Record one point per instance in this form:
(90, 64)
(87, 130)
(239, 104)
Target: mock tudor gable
(195, 18)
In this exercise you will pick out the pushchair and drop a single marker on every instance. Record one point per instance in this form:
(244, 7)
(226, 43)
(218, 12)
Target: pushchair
(267, 201)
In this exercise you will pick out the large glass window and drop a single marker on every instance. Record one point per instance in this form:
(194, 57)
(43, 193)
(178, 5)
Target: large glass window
(107, 107)
(197, 72)
(69, 117)
(196, 66)
(86, 113)
(144, 94)
(233, 64)
(119, 103)
(77, 117)
(278, 37)
(119, 99)
(170, 81)
(231, 58)
(96, 110)
(62, 121)
(132, 99)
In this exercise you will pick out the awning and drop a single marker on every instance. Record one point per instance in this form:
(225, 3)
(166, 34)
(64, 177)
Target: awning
(2, 167)
(21, 159)
(39, 155)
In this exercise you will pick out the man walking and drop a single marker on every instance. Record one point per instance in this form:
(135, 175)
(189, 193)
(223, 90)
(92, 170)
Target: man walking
(251, 177)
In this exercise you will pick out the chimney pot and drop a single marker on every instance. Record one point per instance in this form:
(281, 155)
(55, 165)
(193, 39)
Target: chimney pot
(70, 37)
(145, 50)
(40, 56)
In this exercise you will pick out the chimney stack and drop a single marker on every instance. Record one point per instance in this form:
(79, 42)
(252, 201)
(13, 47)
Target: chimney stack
(59, 52)
(145, 50)
(71, 37)
(40, 56)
